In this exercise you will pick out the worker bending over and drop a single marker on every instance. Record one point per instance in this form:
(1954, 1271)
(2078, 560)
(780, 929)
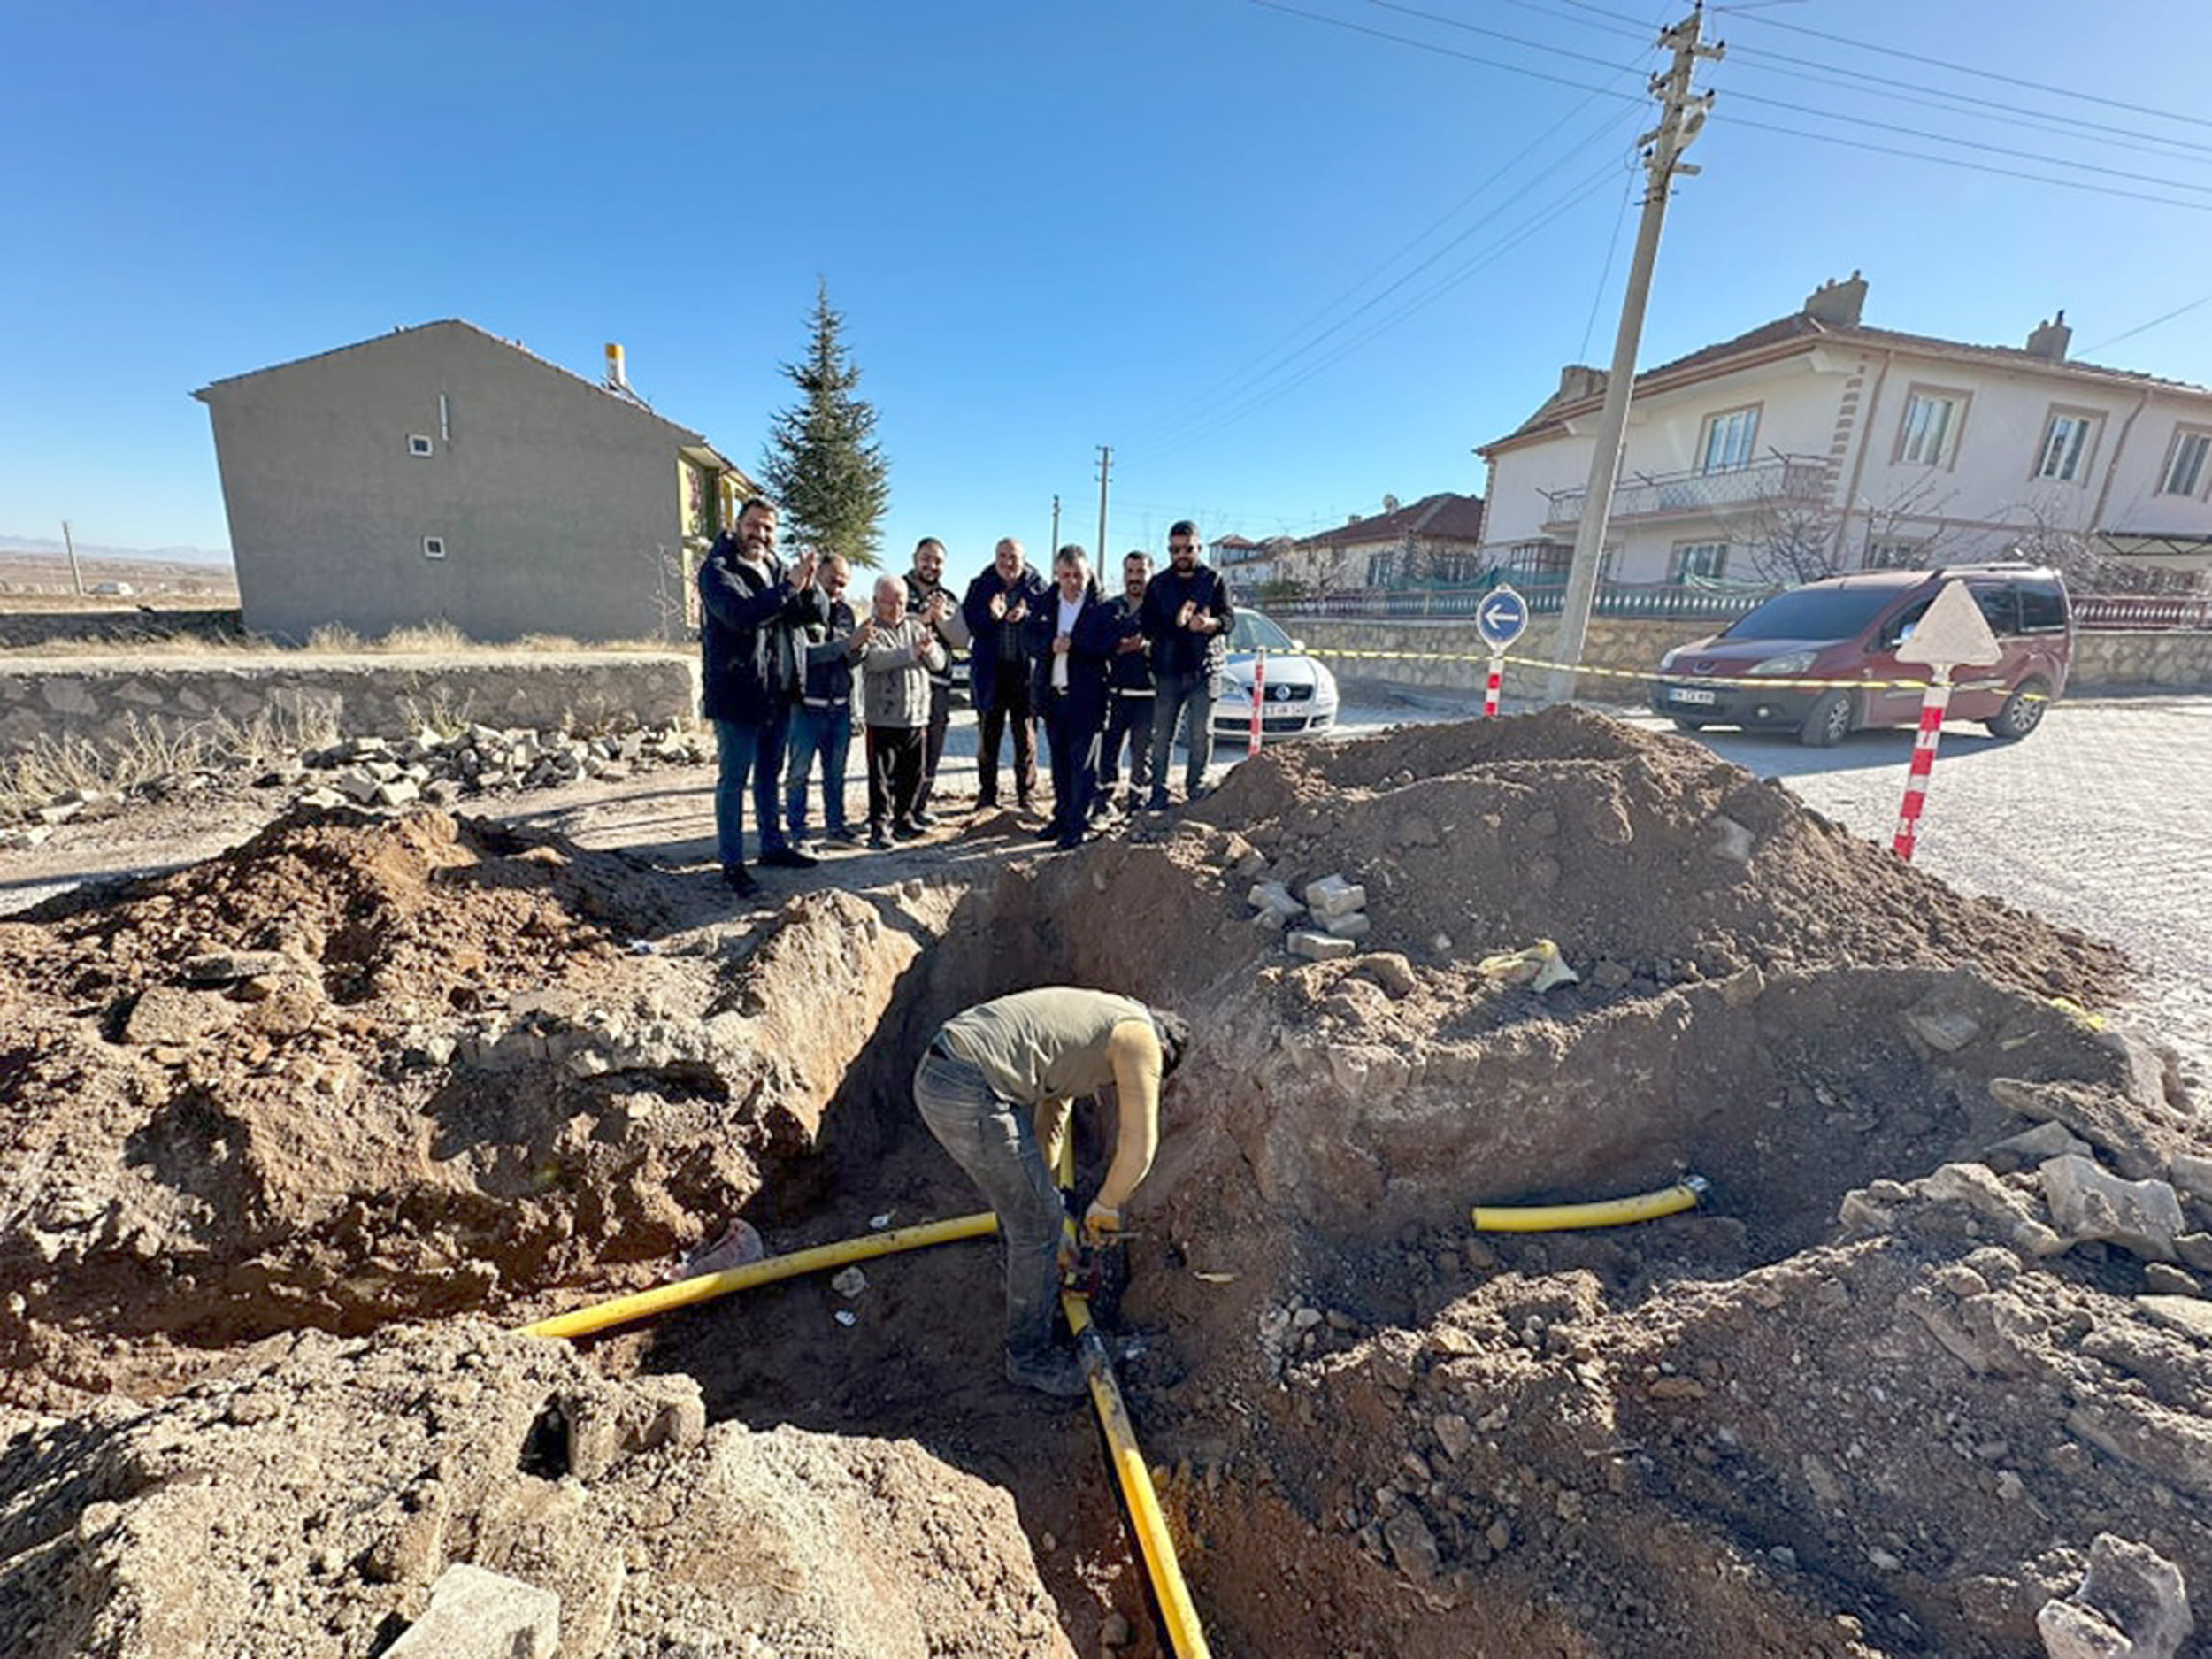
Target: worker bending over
(995, 1087)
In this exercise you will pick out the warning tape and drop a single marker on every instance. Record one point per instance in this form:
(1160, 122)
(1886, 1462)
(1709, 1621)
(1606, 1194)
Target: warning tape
(1771, 682)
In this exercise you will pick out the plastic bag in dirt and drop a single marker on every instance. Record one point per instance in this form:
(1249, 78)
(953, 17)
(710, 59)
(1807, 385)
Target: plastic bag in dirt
(737, 1245)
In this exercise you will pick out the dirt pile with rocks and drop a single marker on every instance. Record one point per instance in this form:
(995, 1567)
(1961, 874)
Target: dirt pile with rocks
(1933, 1348)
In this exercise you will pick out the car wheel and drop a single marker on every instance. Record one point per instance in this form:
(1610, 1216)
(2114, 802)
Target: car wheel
(2023, 711)
(1829, 723)
(1683, 723)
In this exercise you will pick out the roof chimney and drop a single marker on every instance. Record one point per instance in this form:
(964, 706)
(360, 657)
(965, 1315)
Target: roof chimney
(2050, 339)
(617, 377)
(1837, 304)
(1579, 380)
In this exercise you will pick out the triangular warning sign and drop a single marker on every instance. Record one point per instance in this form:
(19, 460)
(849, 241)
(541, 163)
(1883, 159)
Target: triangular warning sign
(1952, 634)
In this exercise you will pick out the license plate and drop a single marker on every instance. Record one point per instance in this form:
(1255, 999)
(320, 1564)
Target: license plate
(1689, 694)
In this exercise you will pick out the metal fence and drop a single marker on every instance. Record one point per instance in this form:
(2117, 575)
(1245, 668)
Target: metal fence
(1668, 602)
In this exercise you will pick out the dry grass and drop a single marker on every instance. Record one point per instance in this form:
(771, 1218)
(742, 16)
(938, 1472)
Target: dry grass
(142, 750)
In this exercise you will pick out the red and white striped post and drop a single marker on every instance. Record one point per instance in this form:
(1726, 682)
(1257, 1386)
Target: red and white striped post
(1259, 696)
(1924, 754)
(1490, 689)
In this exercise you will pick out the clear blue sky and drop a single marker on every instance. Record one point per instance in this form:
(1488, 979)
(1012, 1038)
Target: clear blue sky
(1049, 225)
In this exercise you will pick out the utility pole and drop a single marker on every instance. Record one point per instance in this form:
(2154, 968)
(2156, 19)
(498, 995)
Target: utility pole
(1681, 113)
(1105, 472)
(76, 574)
(1055, 547)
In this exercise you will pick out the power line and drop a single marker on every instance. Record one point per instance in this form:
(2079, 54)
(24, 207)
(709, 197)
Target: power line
(1968, 69)
(1970, 166)
(1496, 35)
(2142, 328)
(1612, 247)
(1443, 51)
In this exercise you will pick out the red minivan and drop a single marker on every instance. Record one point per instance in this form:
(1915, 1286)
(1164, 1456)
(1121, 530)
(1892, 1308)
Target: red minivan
(1847, 628)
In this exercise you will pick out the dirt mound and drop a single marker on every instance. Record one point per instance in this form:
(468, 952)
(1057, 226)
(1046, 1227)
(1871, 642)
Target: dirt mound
(369, 1069)
(1937, 1326)
(1648, 860)
(160, 1532)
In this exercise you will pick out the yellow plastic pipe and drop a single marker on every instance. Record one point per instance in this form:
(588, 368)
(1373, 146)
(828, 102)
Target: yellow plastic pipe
(1185, 1637)
(644, 1303)
(1610, 1213)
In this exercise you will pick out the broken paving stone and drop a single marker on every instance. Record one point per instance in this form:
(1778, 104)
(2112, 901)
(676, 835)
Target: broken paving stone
(1353, 924)
(2191, 1314)
(228, 967)
(1317, 947)
(2193, 1175)
(1333, 895)
(1389, 970)
(1945, 1030)
(475, 1614)
(2046, 1141)
(1732, 841)
(1275, 898)
(2088, 1203)
(2132, 1603)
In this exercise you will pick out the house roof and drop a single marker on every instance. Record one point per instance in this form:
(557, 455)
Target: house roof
(1442, 516)
(627, 399)
(1785, 336)
(1234, 541)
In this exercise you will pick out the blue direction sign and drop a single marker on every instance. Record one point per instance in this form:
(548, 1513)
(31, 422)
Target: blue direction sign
(1501, 617)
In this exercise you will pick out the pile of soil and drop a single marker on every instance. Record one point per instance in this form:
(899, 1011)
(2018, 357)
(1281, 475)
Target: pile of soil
(1870, 1398)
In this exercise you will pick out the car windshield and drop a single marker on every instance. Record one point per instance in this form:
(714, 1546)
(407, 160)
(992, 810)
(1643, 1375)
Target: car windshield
(1812, 613)
(1252, 631)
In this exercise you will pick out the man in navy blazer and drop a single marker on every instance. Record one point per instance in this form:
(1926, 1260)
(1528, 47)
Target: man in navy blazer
(1072, 636)
(998, 609)
(748, 605)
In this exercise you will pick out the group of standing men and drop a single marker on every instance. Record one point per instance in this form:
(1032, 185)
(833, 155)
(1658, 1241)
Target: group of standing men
(785, 654)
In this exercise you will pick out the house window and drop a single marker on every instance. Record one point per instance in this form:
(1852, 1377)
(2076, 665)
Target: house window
(1540, 557)
(418, 443)
(2185, 467)
(2069, 442)
(1930, 434)
(434, 547)
(1894, 556)
(1700, 561)
(1729, 438)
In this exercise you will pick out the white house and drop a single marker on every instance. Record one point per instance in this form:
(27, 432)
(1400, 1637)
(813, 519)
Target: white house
(1814, 443)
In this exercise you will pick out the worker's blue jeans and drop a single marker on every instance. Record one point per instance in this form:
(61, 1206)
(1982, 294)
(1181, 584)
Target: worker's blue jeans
(995, 1141)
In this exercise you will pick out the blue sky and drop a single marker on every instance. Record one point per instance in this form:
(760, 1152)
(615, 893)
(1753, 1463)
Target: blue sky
(1050, 226)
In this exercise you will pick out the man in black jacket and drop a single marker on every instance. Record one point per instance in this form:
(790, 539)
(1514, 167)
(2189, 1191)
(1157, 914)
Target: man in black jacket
(1129, 694)
(997, 610)
(1069, 636)
(823, 722)
(924, 584)
(1188, 619)
(748, 605)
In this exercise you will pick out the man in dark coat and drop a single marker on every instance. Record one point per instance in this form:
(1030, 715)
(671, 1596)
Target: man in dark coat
(1070, 635)
(1188, 619)
(997, 609)
(1129, 694)
(748, 605)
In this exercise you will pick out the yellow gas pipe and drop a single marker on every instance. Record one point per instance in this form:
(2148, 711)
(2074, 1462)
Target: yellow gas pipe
(1610, 1213)
(644, 1303)
(1185, 1635)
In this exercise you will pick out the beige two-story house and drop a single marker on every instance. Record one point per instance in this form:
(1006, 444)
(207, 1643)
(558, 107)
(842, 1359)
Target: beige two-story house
(1814, 443)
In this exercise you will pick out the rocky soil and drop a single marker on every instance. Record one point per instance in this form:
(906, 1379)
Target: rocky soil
(290, 1139)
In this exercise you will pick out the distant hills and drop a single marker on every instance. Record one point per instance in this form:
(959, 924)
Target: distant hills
(43, 548)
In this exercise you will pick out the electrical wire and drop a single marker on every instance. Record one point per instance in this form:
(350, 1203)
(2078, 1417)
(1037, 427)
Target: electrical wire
(2143, 328)
(1443, 51)
(1612, 248)
(1970, 166)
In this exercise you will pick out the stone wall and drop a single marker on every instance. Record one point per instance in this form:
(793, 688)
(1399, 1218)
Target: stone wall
(128, 625)
(1448, 655)
(102, 700)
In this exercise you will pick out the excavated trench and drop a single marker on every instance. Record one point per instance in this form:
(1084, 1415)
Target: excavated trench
(1762, 1427)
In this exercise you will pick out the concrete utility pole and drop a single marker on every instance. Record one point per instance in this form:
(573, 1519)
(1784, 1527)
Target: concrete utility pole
(1681, 113)
(76, 575)
(1105, 472)
(1055, 547)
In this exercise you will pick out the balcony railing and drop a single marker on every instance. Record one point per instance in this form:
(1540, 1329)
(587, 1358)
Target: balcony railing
(2122, 612)
(1794, 479)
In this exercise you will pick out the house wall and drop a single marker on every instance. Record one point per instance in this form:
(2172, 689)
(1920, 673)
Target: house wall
(558, 505)
(1845, 405)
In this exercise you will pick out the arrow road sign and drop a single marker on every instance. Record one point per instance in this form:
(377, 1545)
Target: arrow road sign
(1501, 617)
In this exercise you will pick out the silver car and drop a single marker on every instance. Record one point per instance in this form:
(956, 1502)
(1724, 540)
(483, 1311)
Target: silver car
(1298, 692)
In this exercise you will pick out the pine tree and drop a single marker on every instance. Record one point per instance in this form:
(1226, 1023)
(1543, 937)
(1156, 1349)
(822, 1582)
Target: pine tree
(822, 464)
